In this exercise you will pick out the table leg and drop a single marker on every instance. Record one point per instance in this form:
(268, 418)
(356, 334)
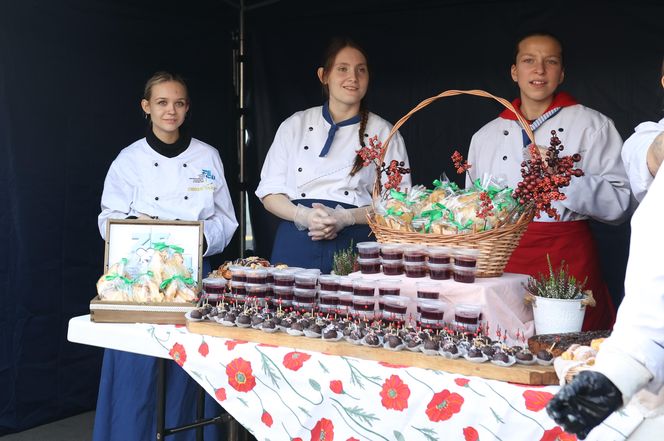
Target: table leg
(161, 400)
(200, 411)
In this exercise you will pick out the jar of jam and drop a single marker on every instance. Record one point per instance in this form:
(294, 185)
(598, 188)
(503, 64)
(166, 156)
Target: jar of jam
(392, 267)
(328, 282)
(440, 255)
(238, 290)
(466, 257)
(364, 288)
(345, 303)
(363, 307)
(306, 279)
(368, 250)
(414, 253)
(256, 275)
(237, 273)
(467, 316)
(440, 271)
(394, 308)
(415, 269)
(428, 290)
(431, 313)
(369, 266)
(389, 287)
(258, 290)
(328, 301)
(282, 295)
(464, 274)
(346, 284)
(284, 277)
(391, 251)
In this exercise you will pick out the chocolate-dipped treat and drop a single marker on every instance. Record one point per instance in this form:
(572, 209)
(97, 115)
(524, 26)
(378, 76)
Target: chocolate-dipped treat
(501, 357)
(256, 319)
(450, 347)
(413, 342)
(524, 355)
(315, 328)
(196, 314)
(431, 345)
(205, 309)
(330, 333)
(230, 317)
(243, 319)
(355, 335)
(487, 350)
(297, 326)
(544, 355)
(394, 340)
(269, 324)
(475, 352)
(372, 339)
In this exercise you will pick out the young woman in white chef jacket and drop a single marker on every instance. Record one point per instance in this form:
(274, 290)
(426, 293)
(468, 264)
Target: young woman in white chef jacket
(313, 178)
(166, 175)
(602, 193)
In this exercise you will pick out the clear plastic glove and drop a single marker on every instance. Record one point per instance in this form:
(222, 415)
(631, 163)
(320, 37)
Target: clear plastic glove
(337, 220)
(584, 403)
(309, 218)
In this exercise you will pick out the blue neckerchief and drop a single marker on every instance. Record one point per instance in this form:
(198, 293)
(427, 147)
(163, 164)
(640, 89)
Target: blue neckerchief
(538, 122)
(333, 128)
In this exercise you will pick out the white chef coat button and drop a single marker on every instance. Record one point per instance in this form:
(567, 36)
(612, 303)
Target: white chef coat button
(311, 129)
(306, 147)
(303, 194)
(505, 132)
(156, 198)
(156, 164)
(186, 197)
(561, 129)
(366, 135)
(184, 165)
(299, 169)
(346, 192)
(504, 158)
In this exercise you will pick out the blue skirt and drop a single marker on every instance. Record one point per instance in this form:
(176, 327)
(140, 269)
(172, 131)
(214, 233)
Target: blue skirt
(295, 248)
(127, 400)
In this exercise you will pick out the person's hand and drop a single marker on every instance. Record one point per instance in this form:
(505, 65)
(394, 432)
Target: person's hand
(143, 216)
(309, 218)
(337, 220)
(584, 403)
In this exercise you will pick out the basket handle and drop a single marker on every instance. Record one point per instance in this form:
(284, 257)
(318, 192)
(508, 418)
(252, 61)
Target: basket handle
(476, 92)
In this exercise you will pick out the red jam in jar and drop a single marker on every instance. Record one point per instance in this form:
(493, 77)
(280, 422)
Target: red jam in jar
(368, 250)
(415, 270)
(369, 266)
(392, 267)
(391, 252)
(440, 271)
(464, 274)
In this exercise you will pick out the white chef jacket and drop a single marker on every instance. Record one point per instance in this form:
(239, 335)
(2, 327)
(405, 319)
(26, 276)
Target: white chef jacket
(190, 186)
(634, 154)
(602, 193)
(633, 357)
(293, 167)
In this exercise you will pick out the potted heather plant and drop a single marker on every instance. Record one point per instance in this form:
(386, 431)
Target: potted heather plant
(558, 299)
(344, 261)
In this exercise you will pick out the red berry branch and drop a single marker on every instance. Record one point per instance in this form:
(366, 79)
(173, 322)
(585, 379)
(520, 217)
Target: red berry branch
(543, 178)
(460, 164)
(394, 170)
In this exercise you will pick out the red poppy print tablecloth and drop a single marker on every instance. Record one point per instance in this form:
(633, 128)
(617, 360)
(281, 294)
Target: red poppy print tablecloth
(279, 393)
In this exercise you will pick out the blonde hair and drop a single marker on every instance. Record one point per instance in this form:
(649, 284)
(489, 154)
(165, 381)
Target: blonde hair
(163, 77)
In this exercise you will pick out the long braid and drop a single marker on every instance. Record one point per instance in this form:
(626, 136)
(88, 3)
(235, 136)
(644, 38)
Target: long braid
(359, 162)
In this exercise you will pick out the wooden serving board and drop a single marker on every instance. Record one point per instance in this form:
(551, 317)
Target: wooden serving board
(534, 374)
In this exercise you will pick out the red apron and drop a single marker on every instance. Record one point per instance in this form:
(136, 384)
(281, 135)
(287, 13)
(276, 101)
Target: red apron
(574, 243)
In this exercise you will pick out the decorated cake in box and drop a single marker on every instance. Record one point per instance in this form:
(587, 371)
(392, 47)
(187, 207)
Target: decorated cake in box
(152, 272)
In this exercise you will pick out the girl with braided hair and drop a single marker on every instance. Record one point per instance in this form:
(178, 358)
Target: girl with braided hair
(313, 178)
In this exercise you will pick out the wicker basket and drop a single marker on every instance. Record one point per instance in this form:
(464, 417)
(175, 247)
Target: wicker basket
(495, 245)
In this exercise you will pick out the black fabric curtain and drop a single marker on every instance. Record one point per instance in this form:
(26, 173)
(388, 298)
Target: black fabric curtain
(71, 77)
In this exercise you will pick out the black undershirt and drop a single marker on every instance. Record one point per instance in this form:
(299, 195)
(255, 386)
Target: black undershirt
(168, 150)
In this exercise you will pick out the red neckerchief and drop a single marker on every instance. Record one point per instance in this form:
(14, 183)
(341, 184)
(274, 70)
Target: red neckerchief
(561, 99)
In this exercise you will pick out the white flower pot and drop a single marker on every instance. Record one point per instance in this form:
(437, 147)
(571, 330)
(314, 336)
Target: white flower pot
(553, 316)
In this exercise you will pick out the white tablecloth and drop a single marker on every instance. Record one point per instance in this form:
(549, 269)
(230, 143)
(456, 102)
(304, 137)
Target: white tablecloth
(279, 393)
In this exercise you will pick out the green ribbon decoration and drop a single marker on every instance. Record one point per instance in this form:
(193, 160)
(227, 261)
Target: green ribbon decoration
(126, 280)
(438, 212)
(492, 190)
(451, 185)
(186, 280)
(161, 245)
(393, 212)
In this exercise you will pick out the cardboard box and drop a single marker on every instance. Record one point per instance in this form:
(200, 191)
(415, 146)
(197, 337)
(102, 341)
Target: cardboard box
(133, 239)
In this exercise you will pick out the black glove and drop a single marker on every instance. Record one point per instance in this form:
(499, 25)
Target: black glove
(584, 403)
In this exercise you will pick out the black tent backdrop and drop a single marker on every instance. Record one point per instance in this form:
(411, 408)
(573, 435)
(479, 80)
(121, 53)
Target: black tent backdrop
(71, 75)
